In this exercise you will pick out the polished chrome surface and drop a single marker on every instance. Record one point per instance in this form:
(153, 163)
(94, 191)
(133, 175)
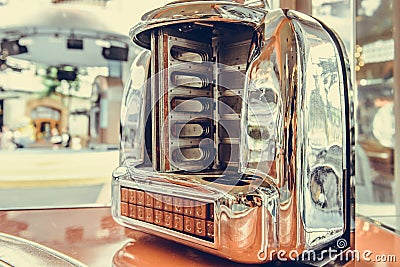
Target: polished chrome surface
(324, 133)
(256, 123)
(133, 116)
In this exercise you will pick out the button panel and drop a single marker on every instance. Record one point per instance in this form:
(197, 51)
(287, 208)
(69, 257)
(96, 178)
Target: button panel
(187, 216)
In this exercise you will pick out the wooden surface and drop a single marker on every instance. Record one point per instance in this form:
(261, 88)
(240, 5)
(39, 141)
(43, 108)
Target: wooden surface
(91, 236)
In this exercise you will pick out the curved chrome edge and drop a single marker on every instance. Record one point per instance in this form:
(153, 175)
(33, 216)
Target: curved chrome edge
(302, 24)
(196, 12)
(40, 247)
(350, 134)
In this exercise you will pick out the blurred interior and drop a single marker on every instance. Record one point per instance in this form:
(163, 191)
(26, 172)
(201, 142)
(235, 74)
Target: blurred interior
(62, 71)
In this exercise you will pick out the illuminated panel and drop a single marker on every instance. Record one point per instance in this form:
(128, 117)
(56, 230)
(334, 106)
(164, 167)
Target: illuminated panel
(186, 216)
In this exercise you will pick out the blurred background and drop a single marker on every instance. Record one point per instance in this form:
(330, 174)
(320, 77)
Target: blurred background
(62, 71)
(63, 65)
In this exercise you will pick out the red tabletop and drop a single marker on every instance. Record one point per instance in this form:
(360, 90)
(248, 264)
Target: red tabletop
(91, 236)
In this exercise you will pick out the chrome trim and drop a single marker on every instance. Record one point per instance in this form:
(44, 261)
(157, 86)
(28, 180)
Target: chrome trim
(245, 224)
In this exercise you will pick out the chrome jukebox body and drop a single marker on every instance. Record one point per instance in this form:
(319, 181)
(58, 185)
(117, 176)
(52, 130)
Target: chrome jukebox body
(235, 132)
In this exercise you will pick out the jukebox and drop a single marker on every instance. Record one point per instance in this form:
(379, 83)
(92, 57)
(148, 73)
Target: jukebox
(235, 132)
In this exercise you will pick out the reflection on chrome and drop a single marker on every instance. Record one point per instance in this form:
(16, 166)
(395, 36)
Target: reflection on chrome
(252, 130)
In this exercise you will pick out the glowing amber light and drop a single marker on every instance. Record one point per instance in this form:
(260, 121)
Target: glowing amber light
(184, 215)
